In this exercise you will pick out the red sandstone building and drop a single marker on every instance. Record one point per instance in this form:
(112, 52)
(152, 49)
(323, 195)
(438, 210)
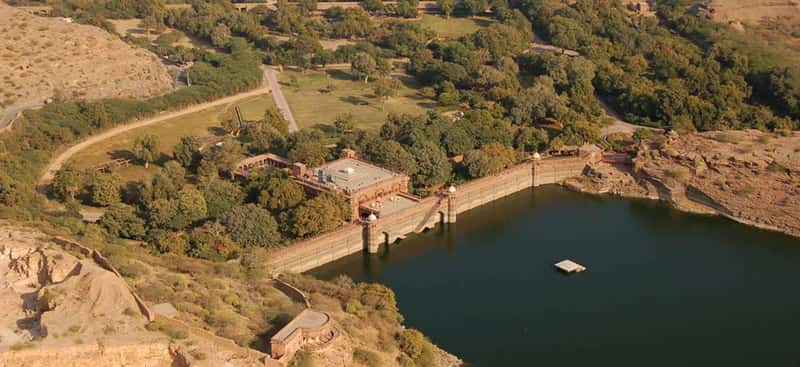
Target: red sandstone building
(368, 187)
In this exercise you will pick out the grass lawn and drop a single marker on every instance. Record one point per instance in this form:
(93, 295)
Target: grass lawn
(311, 106)
(169, 132)
(453, 27)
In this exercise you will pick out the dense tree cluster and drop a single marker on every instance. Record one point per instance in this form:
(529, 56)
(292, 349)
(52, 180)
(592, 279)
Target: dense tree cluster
(701, 82)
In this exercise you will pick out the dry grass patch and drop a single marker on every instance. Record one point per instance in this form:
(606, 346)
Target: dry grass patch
(319, 97)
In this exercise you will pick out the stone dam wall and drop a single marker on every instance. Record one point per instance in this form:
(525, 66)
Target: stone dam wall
(433, 210)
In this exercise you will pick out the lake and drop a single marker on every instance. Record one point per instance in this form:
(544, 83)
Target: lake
(662, 287)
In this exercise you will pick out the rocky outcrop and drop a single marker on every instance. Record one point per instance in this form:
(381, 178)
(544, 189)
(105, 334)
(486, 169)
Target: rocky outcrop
(748, 176)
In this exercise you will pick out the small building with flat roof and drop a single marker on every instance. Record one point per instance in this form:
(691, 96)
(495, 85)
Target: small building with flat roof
(309, 327)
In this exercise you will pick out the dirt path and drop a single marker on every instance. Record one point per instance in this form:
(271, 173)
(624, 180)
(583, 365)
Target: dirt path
(280, 100)
(619, 125)
(58, 161)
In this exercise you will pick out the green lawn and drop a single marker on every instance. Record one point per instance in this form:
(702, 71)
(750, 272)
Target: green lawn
(169, 132)
(311, 105)
(453, 27)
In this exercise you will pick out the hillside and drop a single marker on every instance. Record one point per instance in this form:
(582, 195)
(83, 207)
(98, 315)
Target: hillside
(47, 57)
(753, 10)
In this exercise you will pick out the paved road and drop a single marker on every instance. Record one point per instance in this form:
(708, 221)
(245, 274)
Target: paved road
(58, 161)
(9, 115)
(280, 100)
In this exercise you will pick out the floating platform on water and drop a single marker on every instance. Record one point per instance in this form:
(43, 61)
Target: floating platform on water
(569, 266)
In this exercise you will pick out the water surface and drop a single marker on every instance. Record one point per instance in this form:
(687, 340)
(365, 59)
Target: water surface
(662, 287)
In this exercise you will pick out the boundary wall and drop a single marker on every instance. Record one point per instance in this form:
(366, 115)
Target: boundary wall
(436, 209)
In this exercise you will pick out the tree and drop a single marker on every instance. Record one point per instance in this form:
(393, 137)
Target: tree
(274, 119)
(220, 196)
(457, 141)
(171, 242)
(373, 6)
(407, 8)
(281, 194)
(474, 7)
(66, 183)
(320, 214)
(344, 123)
(447, 6)
(145, 149)
(363, 66)
(531, 139)
(211, 242)
(220, 35)
(191, 207)
(120, 220)
(310, 153)
(432, 164)
(187, 151)
(386, 88)
(9, 192)
(392, 154)
(566, 32)
(105, 189)
(251, 226)
(307, 5)
(490, 159)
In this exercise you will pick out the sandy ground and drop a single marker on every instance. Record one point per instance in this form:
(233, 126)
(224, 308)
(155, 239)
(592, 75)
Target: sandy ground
(47, 57)
(753, 10)
(48, 294)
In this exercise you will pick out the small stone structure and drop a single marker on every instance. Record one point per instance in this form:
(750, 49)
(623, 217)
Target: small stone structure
(309, 328)
(569, 266)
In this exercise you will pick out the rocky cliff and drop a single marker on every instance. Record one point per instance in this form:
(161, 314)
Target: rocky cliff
(748, 176)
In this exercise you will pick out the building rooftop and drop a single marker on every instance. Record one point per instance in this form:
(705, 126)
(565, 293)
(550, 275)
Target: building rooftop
(308, 319)
(389, 205)
(569, 266)
(350, 174)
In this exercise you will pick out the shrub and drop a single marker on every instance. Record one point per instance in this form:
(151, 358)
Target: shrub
(367, 357)
(405, 361)
(172, 331)
(302, 359)
(412, 343)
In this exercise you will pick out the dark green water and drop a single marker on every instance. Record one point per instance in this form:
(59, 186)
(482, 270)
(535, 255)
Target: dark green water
(663, 288)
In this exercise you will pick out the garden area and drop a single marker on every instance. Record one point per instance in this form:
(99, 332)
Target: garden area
(206, 123)
(453, 27)
(319, 97)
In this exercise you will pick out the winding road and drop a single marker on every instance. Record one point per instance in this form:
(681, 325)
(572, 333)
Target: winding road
(58, 161)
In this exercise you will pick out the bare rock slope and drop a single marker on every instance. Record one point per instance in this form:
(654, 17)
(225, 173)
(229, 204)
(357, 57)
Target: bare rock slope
(44, 56)
(748, 176)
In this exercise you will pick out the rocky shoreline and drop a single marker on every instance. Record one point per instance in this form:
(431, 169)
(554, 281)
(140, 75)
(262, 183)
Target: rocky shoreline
(750, 177)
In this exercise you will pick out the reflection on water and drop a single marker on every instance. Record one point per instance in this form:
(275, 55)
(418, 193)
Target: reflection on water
(662, 287)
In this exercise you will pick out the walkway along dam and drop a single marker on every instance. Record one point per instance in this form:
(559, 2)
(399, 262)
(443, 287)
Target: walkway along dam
(441, 208)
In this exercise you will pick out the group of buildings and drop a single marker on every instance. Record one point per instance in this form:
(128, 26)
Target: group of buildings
(369, 188)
